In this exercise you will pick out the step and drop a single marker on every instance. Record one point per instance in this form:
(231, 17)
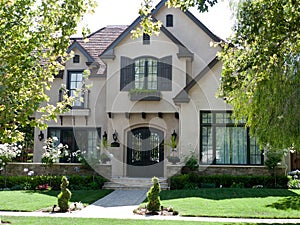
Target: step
(133, 183)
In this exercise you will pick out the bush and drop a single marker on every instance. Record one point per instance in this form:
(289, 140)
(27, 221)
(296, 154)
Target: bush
(293, 183)
(189, 181)
(64, 196)
(153, 203)
(32, 183)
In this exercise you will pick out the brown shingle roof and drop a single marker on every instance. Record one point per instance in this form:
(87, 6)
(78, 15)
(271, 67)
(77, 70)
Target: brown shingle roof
(99, 41)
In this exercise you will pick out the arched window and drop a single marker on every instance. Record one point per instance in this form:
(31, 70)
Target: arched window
(169, 20)
(145, 73)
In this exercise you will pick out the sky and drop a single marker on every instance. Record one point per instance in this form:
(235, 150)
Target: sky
(124, 12)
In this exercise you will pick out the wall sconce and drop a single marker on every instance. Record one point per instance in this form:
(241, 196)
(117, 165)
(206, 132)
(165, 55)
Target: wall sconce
(174, 135)
(41, 136)
(115, 138)
(104, 136)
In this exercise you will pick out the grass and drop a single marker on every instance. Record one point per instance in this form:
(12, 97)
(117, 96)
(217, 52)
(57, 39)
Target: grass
(29, 201)
(225, 202)
(248, 203)
(93, 221)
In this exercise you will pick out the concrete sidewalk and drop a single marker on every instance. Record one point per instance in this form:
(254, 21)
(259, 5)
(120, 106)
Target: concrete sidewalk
(121, 203)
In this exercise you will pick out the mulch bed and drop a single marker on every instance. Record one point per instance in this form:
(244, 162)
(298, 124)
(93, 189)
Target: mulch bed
(162, 212)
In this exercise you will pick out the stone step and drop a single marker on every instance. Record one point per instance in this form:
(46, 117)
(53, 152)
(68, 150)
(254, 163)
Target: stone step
(129, 183)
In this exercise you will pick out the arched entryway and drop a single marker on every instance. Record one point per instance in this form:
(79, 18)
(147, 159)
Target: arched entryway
(145, 152)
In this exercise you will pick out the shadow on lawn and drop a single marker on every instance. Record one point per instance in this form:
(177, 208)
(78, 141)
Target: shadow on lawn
(227, 193)
(84, 196)
(292, 202)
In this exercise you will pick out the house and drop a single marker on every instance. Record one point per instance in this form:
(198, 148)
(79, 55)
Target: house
(146, 91)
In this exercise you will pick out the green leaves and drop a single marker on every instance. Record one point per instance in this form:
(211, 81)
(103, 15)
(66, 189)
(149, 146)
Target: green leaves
(261, 70)
(34, 34)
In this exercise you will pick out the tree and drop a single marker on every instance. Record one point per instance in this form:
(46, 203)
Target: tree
(260, 77)
(34, 38)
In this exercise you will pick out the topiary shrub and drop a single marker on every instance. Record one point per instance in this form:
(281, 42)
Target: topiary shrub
(64, 195)
(153, 204)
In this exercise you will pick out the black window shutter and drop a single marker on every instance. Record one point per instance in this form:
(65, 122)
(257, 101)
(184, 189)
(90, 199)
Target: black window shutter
(165, 74)
(127, 74)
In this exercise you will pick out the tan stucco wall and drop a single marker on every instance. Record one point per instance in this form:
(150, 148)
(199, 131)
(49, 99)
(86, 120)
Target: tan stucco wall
(195, 39)
(202, 97)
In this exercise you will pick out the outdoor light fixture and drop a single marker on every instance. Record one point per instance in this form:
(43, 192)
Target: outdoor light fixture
(41, 136)
(104, 136)
(174, 135)
(115, 138)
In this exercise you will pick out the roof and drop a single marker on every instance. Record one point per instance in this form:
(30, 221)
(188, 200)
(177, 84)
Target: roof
(97, 43)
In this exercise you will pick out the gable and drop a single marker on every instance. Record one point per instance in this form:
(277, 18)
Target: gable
(183, 51)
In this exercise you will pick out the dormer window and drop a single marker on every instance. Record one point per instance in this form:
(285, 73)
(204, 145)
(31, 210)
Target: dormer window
(146, 39)
(169, 20)
(76, 59)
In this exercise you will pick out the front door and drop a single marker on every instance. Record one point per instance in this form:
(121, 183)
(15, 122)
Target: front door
(145, 152)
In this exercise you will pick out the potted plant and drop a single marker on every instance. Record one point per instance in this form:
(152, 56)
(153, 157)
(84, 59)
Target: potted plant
(173, 145)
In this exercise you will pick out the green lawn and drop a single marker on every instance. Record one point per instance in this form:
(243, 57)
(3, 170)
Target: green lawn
(82, 221)
(35, 200)
(250, 203)
(225, 202)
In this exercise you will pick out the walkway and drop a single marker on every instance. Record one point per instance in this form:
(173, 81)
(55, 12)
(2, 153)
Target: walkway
(121, 203)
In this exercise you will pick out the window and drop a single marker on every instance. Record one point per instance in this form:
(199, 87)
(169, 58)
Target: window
(76, 59)
(75, 81)
(85, 139)
(146, 39)
(224, 142)
(169, 20)
(146, 73)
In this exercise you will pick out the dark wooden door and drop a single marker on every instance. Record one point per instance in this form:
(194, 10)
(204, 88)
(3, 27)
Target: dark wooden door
(145, 152)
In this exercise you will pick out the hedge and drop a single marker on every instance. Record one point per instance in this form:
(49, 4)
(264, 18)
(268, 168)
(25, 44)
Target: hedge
(194, 181)
(77, 182)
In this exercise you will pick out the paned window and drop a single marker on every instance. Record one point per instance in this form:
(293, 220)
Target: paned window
(225, 142)
(146, 73)
(84, 139)
(74, 83)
